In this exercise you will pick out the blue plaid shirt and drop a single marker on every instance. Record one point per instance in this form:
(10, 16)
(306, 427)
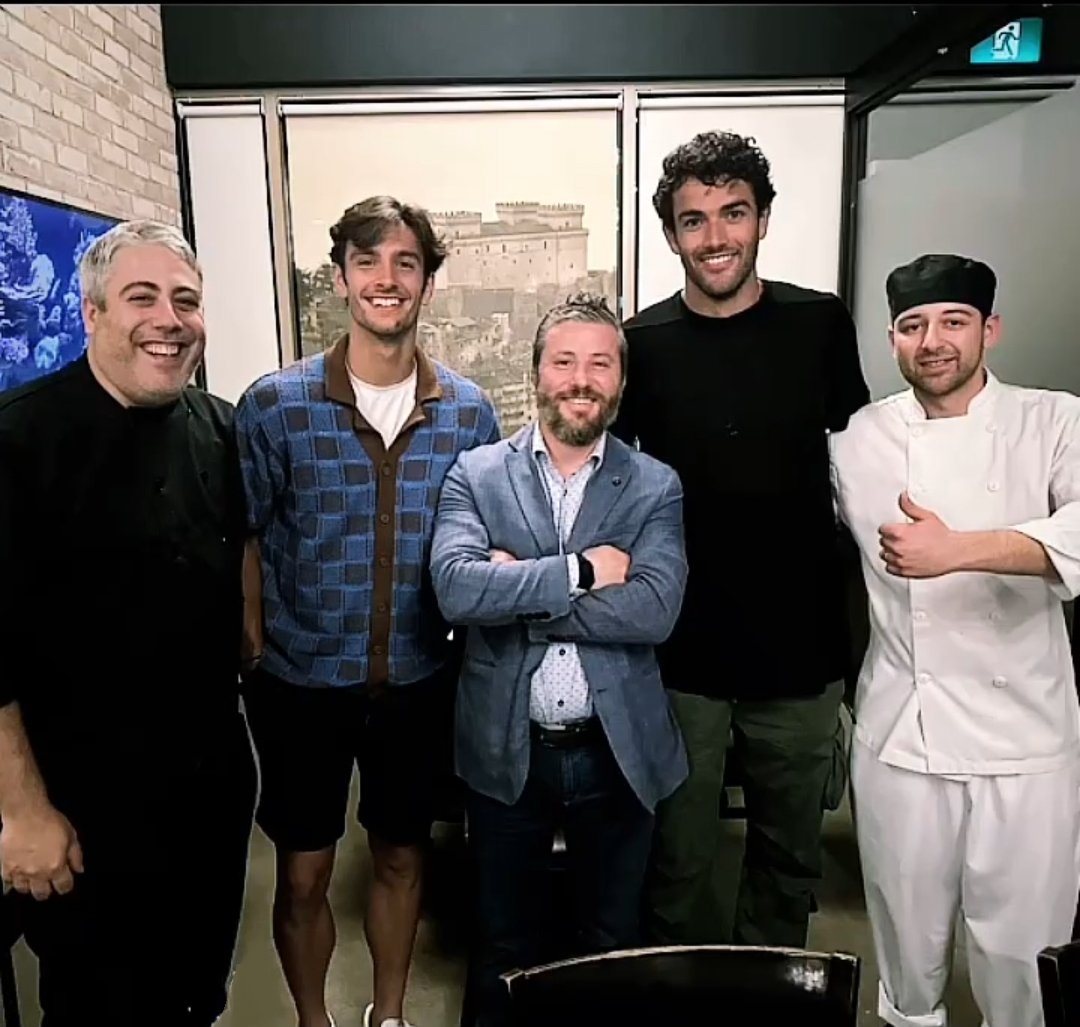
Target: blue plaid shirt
(344, 525)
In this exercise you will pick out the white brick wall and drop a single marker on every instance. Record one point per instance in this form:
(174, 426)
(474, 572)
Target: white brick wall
(85, 113)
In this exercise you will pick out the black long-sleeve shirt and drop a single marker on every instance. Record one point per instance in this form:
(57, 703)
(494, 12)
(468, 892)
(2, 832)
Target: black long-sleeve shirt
(121, 543)
(740, 406)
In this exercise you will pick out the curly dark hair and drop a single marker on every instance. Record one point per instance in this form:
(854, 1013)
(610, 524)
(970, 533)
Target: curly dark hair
(365, 224)
(713, 158)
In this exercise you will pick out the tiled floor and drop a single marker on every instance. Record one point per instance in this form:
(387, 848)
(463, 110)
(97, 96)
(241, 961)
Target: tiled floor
(259, 998)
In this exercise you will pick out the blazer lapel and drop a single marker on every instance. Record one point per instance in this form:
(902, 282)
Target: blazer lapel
(525, 481)
(605, 489)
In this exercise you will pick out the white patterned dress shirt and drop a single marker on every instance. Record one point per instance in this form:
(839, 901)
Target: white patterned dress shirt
(560, 691)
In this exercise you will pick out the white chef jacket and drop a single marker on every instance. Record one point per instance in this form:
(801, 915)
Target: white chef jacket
(967, 673)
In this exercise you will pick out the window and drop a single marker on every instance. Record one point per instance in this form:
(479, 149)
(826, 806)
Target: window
(559, 175)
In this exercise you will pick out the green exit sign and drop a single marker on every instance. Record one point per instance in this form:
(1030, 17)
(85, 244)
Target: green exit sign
(1018, 42)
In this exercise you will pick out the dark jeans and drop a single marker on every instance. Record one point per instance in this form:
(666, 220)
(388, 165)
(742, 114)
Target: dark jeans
(793, 763)
(608, 835)
(147, 934)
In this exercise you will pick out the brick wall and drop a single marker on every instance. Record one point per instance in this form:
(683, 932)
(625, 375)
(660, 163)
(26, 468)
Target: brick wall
(85, 113)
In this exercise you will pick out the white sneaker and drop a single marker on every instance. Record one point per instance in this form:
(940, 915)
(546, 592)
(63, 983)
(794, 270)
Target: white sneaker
(390, 1021)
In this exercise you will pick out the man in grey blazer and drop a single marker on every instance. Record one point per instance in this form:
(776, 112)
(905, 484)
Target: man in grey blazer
(561, 549)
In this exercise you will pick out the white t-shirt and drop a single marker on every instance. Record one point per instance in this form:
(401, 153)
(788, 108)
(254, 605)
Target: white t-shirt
(385, 407)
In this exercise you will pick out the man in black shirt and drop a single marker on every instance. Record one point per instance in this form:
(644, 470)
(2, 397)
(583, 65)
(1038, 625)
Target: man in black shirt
(735, 382)
(126, 775)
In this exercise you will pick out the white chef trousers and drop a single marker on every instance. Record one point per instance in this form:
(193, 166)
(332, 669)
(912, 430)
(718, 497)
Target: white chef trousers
(1002, 851)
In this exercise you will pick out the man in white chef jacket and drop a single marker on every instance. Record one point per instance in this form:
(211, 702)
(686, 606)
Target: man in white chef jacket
(963, 494)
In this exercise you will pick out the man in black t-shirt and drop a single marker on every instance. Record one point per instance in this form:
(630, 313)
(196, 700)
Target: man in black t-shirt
(127, 780)
(735, 382)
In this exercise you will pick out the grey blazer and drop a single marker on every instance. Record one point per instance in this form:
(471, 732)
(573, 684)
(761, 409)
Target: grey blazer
(493, 498)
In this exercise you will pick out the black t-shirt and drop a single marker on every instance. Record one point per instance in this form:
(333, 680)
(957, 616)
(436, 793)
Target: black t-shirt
(740, 407)
(121, 543)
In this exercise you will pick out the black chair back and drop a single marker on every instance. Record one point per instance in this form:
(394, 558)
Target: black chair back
(712, 984)
(1059, 981)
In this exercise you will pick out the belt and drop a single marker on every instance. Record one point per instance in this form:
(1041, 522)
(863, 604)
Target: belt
(567, 736)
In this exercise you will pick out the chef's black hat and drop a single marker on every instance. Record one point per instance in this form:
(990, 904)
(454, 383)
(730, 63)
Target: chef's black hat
(941, 278)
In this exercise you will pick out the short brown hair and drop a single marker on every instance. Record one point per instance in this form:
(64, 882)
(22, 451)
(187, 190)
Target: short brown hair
(365, 225)
(585, 307)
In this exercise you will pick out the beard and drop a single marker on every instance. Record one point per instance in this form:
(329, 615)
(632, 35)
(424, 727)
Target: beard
(576, 431)
(726, 284)
(943, 381)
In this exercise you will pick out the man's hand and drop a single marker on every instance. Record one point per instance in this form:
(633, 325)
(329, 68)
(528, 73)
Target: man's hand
(926, 548)
(610, 564)
(251, 648)
(39, 852)
(501, 556)
(251, 638)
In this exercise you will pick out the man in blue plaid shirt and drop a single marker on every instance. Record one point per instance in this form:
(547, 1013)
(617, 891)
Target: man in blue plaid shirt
(344, 454)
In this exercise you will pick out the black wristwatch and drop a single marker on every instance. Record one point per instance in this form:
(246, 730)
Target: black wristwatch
(586, 575)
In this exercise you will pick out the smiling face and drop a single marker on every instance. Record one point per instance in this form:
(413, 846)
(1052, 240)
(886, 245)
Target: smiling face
(148, 336)
(716, 236)
(940, 349)
(384, 286)
(579, 381)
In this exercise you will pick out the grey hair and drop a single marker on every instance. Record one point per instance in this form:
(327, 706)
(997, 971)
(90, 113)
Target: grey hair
(583, 307)
(97, 261)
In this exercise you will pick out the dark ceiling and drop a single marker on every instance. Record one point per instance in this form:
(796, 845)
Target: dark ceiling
(265, 46)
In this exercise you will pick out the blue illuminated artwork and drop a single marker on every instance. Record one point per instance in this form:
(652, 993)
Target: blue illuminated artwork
(41, 244)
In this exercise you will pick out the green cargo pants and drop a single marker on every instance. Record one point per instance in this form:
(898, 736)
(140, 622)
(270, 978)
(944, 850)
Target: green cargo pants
(792, 754)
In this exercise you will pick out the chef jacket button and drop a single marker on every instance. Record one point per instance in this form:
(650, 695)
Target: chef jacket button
(920, 615)
(917, 430)
(1000, 682)
(992, 486)
(923, 679)
(995, 615)
(991, 428)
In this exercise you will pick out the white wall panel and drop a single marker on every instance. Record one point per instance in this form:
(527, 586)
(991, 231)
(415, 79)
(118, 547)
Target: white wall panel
(231, 220)
(1005, 193)
(803, 139)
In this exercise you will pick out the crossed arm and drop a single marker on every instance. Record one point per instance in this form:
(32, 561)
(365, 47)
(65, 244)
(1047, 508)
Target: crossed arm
(474, 590)
(643, 610)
